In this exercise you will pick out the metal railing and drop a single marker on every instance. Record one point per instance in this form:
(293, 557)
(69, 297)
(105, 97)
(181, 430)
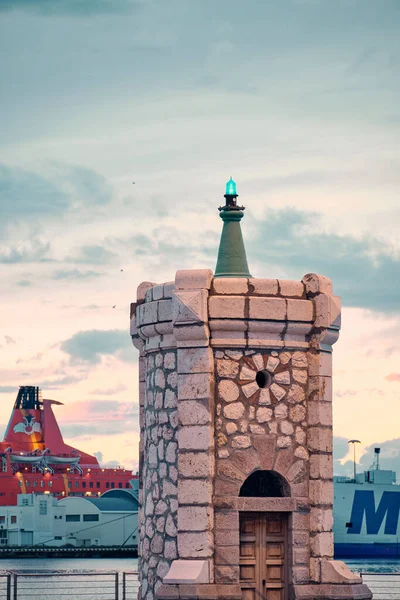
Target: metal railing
(5, 586)
(76, 585)
(130, 585)
(384, 586)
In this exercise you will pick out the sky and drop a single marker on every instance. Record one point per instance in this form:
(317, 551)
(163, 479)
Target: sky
(297, 100)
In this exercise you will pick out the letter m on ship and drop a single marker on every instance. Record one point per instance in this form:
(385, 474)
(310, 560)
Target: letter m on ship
(364, 503)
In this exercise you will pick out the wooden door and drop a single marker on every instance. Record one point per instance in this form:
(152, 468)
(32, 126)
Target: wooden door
(263, 556)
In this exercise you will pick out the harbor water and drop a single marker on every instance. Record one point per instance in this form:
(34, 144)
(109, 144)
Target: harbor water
(373, 565)
(23, 565)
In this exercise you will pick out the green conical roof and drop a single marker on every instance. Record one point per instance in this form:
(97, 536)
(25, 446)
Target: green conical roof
(232, 260)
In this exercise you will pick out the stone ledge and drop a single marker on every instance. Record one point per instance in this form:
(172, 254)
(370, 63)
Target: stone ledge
(252, 333)
(255, 504)
(195, 335)
(331, 591)
(188, 572)
(158, 331)
(199, 592)
(336, 571)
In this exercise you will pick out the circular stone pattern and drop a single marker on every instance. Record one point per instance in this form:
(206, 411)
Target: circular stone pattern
(261, 393)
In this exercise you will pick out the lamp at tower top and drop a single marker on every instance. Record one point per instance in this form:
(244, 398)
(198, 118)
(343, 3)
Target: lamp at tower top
(230, 196)
(230, 188)
(232, 261)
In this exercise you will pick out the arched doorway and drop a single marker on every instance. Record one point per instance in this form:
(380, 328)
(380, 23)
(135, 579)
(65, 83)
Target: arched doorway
(263, 556)
(265, 484)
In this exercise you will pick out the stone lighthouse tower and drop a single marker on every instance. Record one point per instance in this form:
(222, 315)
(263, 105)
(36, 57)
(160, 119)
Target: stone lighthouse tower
(236, 433)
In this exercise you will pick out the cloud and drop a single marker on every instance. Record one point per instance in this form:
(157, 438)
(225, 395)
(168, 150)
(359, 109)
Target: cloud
(340, 450)
(95, 255)
(72, 431)
(98, 455)
(92, 417)
(393, 377)
(38, 356)
(333, 179)
(28, 195)
(46, 384)
(389, 455)
(9, 340)
(345, 393)
(25, 193)
(31, 252)
(359, 267)
(112, 409)
(340, 447)
(84, 187)
(110, 391)
(167, 246)
(8, 389)
(111, 464)
(99, 409)
(71, 7)
(75, 274)
(359, 61)
(85, 307)
(24, 283)
(90, 346)
(55, 384)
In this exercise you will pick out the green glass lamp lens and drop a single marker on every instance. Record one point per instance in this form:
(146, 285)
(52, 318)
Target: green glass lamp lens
(230, 188)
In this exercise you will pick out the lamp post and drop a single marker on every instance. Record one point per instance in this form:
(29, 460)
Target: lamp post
(354, 442)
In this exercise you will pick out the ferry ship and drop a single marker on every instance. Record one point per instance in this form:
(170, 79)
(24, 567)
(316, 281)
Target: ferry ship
(366, 514)
(35, 459)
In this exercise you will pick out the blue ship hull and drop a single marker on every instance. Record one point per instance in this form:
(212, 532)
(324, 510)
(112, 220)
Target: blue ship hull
(367, 550)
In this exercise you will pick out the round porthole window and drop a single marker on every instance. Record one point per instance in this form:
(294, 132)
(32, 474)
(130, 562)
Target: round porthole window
(263, 379)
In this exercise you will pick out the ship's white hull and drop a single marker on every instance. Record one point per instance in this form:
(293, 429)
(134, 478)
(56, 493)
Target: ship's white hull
(366, 520)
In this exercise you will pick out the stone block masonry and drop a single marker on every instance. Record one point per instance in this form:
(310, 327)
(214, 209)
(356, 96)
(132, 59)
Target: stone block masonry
(245, 410)
(159, 473)
(235, 377)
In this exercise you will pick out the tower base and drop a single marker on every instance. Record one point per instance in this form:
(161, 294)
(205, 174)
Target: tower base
(209, 591)
(332, 591)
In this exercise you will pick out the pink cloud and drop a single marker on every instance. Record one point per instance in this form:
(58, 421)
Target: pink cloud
(96, 411)
(393, 377)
